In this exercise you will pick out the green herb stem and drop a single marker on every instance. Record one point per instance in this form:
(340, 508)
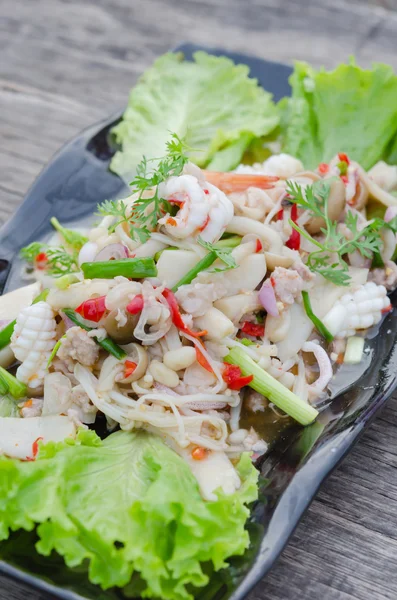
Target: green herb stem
(268, 386)
(16, 388)
(6, 333)
(107, 344)
(133, 268)
(230, 242)
(55, 350)
(203, 264)
(318, 324)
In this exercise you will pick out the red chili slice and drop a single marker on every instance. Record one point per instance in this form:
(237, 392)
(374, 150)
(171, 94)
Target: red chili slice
(323, 168)
(35, 447)
(343, 157)
(136, 305)
(176, 315)
(93, 309)
(253, 329)
(129, 368)
(233, 378)
(41, 260)
(258, 246)
(203, 361)
(280, 215)
(294, 240)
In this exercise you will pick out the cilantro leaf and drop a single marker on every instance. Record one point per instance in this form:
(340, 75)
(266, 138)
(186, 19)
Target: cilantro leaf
(74, 239)
(142, 216)
(224, 254)
(328, 261)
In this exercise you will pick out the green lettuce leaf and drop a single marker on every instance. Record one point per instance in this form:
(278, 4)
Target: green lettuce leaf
(350, 110)
(211, 103)
(126, 505)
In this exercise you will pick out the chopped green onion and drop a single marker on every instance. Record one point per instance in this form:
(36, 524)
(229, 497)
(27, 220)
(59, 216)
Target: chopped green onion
(63, 282)
(107, 344)
(6, 333)
(133, 268)
(268, 386)
(16, 388)
(230, 242)
(247, 342)
(354, 350)
(55, 350)
(203, 264)
(319, 325)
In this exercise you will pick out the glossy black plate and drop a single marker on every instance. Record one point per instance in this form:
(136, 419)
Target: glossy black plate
(70, 187)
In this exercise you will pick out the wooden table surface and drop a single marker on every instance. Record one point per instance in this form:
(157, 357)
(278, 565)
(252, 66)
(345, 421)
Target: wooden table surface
(67, 63)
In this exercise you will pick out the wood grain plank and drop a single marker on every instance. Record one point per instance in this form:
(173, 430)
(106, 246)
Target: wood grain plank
(67, 63)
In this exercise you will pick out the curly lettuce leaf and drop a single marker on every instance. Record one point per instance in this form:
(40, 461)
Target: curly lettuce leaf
(349, 110)
(127, 505)
(211, 103)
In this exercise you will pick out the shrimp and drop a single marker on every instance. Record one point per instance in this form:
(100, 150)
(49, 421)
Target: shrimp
(236, 182)
(203, 209)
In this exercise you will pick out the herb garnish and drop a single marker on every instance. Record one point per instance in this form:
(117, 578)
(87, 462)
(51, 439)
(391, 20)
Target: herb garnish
(57, 260)
(224, 254)
(328, 261)
(147, 208)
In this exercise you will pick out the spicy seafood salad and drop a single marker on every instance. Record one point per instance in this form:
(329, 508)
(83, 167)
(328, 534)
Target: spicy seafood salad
(249, 261)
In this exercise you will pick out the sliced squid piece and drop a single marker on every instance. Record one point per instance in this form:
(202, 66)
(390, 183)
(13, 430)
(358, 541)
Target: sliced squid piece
(214, 472)
(17, 436)
(174, 264)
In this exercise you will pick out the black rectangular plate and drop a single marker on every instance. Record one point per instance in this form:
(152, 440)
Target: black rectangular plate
(74, 182)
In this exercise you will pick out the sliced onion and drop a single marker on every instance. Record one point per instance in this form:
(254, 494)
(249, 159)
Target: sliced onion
(390, 213)
(88, 253)
(267, 298)
(112, 251)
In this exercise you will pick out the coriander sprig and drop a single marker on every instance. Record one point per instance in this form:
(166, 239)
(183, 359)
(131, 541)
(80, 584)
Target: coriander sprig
(149, 206)
(329, 260)
(223, 254)
(58, 260)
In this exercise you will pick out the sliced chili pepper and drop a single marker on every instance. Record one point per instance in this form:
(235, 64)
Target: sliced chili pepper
(129, 368)
(258, 246)
(203, 361)
(253, 329)
(199, 453)
(205, 224)
(343, 157)
(41, 260)
(323, 168)
(93, 309)
(206, 192)
(386, 309)
(344, 178)
(136, 305)
(294, 240)
(176, 315)
(171, 221)
(233, 378)
(35, 447)
(280, 215)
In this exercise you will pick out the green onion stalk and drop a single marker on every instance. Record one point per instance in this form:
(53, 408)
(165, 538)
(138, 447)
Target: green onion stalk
(203, 264)
(107, 344)
(10, 384)
(275, 391)
(133, 268)
(318, 324)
